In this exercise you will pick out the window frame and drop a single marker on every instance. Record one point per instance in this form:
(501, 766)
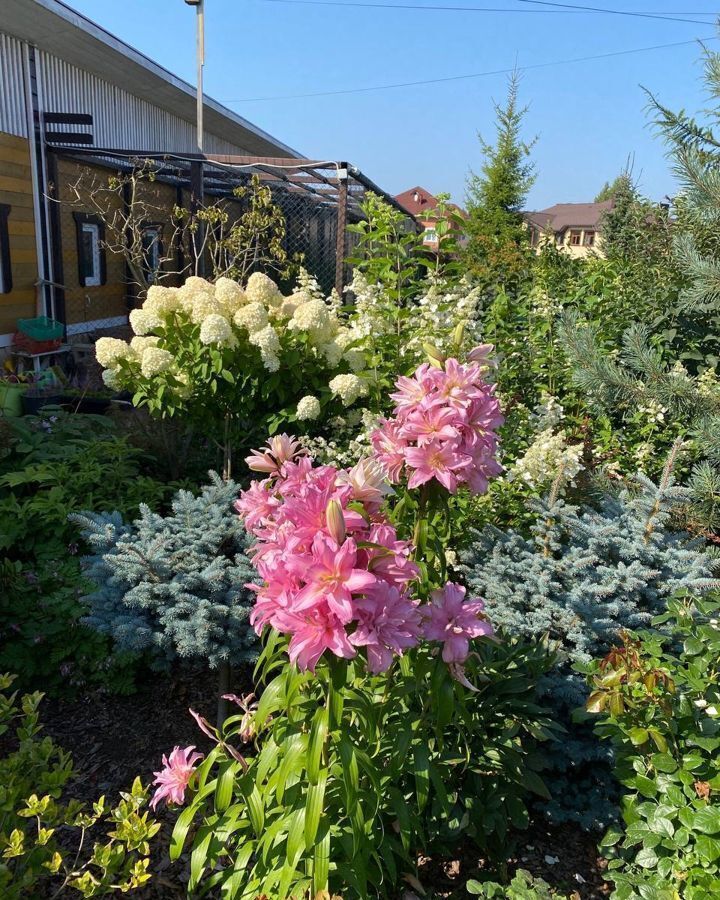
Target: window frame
(430, 235)
(590, 233)
(575, 233)
(89, 224)
(157, 246)
(6, 280)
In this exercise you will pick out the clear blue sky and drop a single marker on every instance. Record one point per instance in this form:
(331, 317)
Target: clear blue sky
(588, 116)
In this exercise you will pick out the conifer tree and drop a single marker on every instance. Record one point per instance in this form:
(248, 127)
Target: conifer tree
(497, 250)
(174, 585)
(581, 576)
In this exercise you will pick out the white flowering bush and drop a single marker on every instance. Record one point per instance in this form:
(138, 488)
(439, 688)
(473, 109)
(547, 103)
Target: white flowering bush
(549, 456)
(223, 356)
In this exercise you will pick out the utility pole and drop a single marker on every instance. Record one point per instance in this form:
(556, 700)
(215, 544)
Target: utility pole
(200, 11)
(196, 167)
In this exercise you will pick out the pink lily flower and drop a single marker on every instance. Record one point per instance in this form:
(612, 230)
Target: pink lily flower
(455, 621)
(175, 775)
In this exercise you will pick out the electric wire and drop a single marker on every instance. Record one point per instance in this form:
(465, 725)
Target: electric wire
(557, 8)
(449, 78)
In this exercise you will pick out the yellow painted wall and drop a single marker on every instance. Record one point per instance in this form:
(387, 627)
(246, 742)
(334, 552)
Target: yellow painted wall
(16, 190)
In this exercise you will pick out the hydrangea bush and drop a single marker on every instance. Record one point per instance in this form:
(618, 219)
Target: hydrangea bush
(368, 730)
(223, 356)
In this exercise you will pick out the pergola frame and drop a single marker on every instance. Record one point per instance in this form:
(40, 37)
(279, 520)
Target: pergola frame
(337, 185)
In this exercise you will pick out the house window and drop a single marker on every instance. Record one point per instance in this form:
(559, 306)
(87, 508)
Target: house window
(430, 236)
(5, 270)
(90, 250)
(589, 239)
(152, 252)
(575, 238)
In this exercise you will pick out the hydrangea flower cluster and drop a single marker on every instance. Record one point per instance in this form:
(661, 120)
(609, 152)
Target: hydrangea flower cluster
(547, 457)
(335, 575)
(444, 427)
(256, 321)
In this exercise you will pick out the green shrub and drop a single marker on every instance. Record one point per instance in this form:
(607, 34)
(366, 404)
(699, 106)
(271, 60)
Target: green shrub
(659, 699)
(36, 849)
(50, 468)
(524, 886)
(355, 773)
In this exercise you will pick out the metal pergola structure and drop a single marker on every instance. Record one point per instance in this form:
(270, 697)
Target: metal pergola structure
(329, 189)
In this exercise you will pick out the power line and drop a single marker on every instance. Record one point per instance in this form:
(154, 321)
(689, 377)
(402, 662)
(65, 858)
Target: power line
(404, 84)
(557, 8)
(614, 12)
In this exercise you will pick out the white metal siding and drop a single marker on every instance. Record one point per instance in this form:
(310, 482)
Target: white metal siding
(13, 117)
(120, 120)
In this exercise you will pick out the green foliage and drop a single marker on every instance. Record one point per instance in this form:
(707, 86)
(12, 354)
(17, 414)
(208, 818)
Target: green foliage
(581, 577)
(46, 842)
(523, 886)
(51, 468)
(497, 250)
(659, 701)
(174, 584)
(355, 774)
(388, 249)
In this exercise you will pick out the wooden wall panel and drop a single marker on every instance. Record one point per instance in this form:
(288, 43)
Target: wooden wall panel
(16, 190)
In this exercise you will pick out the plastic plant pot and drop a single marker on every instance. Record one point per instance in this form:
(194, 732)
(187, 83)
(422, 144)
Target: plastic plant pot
(11, 398)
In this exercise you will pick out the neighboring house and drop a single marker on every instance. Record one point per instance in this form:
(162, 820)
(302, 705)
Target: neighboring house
(575, 227)
(422, 205)
(75, 101)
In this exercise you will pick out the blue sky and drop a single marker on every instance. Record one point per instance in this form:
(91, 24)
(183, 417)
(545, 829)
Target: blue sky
(589, 117)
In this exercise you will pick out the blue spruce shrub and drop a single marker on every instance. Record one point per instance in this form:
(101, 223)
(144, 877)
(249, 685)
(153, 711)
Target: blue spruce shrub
(582, 576)
(174, 585)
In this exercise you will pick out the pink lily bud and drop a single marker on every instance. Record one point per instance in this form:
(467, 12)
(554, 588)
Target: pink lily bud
(335, 521)
(481, 354)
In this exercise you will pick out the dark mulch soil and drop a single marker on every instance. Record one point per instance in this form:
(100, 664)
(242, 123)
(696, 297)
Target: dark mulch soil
(113, 739)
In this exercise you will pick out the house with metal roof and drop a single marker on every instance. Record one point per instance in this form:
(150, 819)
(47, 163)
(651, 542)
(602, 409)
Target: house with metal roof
(574, 227)
(77, 103)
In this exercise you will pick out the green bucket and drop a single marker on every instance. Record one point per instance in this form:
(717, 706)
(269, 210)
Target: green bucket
(11, 398)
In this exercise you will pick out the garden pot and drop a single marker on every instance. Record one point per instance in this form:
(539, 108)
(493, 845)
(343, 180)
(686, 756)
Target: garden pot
(32, 405)
(11, 398)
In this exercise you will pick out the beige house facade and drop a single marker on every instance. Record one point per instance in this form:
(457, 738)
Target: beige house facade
(576, 228)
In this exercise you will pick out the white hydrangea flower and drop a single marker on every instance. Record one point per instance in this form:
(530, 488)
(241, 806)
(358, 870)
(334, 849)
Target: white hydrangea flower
(154, 361)
(253, 317)
(348, 388)
(143, 321)
(216, 329)
(355, 359)
(653, 410)
(315, 319)
(263, 290)
(287, 308)
(268, 342)
(110, 379)
(333, 354)
(138, 344)
(708, 384)
(308, 408)
(109, 350)
(161, 301)
(548, 413)
(230, 296)
(547, 457)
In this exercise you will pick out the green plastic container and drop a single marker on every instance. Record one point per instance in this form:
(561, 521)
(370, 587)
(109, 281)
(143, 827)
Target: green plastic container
(11, 394)
(41, 328)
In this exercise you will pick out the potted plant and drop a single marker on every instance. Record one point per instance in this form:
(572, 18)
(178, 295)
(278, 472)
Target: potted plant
(46, 389)
(12, 387)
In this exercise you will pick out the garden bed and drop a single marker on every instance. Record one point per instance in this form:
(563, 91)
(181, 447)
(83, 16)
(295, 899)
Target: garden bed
(114, 738)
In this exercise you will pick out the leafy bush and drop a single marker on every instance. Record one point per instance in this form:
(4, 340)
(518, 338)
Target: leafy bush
(173, 584)
(41, 837)
(582, 576)
(659, 702)
(523, 886)
(50, 468)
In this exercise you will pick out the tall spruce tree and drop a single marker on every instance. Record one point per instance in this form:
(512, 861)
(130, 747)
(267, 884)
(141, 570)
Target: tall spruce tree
(498, 250)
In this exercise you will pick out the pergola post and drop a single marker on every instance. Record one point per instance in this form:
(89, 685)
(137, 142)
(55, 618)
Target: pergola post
(197, 199)
(341, 229)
